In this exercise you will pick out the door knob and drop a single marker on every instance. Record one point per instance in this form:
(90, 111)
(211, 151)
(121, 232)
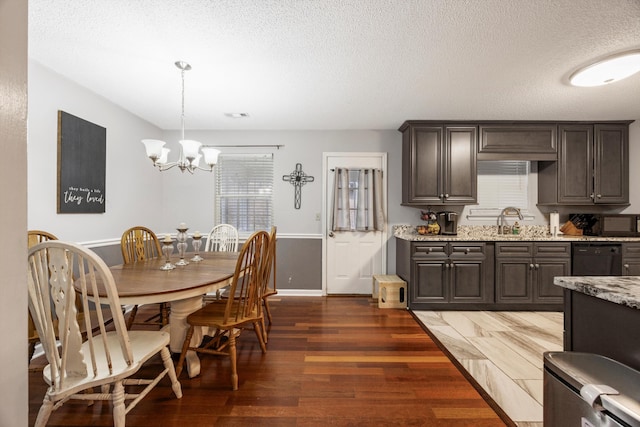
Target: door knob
(331, 234)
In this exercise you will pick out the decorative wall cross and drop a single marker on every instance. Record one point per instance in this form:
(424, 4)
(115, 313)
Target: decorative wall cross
(298, 178)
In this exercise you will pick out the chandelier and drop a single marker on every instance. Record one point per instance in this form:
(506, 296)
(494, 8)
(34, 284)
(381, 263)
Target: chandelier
(191, 152)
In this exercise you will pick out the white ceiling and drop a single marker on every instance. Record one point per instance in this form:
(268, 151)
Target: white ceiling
(340, 64)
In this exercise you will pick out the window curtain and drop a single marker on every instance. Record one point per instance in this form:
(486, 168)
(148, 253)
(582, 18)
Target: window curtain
(341, 220)
(357, 201)
(369, 214)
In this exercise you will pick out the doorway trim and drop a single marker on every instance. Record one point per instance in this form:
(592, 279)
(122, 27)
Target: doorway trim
(326, 185)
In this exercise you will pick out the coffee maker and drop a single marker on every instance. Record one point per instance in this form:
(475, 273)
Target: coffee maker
(448, 222)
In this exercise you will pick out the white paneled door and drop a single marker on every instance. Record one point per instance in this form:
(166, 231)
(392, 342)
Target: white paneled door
(351, 258)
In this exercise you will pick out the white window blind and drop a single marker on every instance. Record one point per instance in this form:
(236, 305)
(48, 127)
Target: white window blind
(244, 191)
(501, 184)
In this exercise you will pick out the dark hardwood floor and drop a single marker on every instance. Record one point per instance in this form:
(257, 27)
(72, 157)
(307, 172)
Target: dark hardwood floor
(335, 361)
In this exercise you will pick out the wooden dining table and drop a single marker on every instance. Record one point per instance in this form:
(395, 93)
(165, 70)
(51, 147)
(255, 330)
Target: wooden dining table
(145, 283)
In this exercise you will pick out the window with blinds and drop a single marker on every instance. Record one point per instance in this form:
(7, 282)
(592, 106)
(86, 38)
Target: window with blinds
(501, 184)
(244, 191)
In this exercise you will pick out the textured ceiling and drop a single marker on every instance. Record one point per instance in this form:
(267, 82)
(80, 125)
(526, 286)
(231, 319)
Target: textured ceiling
(340, 64)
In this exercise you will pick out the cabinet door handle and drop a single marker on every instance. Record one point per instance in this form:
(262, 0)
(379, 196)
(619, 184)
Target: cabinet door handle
(441, 196)
(592, 196)
(446, 195)
(537, 266)
(531, 267)
(626, 267)
(599, 196)
(430, 250)
(467, 251)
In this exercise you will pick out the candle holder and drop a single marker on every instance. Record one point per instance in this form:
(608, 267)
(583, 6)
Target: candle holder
(167, 250)
(197, 242)
(182, 244)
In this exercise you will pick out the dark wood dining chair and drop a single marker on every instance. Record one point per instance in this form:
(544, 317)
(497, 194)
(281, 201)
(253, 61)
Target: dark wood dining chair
(270, 271)
(139, 244)
(229, 317)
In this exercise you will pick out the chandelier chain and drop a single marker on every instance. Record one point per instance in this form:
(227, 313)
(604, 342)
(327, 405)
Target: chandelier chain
(182, 116)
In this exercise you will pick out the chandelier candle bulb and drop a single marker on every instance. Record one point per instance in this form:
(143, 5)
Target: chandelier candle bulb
(190, 148)
(164, 157)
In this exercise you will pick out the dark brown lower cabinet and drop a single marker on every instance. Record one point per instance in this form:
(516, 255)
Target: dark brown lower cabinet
(631, 259)
(445, 275)
(525, 271)
(449, 281)
(483, 275)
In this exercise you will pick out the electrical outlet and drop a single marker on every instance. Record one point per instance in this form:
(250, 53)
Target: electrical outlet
(289, 279)
(317, 217)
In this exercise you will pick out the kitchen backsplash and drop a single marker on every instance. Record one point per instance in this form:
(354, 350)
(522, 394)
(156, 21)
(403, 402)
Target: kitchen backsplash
(481, 231)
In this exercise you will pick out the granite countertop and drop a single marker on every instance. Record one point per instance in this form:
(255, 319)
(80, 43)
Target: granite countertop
(623, 290)
(490, 233)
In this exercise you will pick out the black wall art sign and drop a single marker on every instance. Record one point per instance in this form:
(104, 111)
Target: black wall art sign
(82, 150)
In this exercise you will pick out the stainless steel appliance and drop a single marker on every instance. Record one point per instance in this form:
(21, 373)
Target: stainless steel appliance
(588, 390)
(607, 225)
(448, 222)
(596, 259)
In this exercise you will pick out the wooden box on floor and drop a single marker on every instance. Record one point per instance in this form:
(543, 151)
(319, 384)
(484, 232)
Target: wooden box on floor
(390, 290)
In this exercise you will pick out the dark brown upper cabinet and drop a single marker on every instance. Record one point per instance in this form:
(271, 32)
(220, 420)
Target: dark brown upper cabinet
(518, 141)
(592, 166)
(439, 164)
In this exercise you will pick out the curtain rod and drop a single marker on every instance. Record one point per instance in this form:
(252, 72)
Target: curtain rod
(357, 169)
(245, 146)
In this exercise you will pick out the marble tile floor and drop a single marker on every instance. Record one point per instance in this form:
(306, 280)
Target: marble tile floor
(502, 351)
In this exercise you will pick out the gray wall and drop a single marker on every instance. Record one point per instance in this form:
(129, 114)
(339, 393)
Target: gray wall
(299, 264)
(13, 214)
(133, 190)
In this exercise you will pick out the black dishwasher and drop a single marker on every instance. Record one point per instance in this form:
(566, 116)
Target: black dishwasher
(596, 259)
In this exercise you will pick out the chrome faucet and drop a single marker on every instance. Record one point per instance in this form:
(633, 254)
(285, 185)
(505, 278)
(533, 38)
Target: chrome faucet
(510, 210)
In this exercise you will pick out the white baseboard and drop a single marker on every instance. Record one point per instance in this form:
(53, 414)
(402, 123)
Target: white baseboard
(293, 293)
(300, 292)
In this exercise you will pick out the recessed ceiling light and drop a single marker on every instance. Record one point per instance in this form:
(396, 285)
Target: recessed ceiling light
(237, 115)
(609, 70)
